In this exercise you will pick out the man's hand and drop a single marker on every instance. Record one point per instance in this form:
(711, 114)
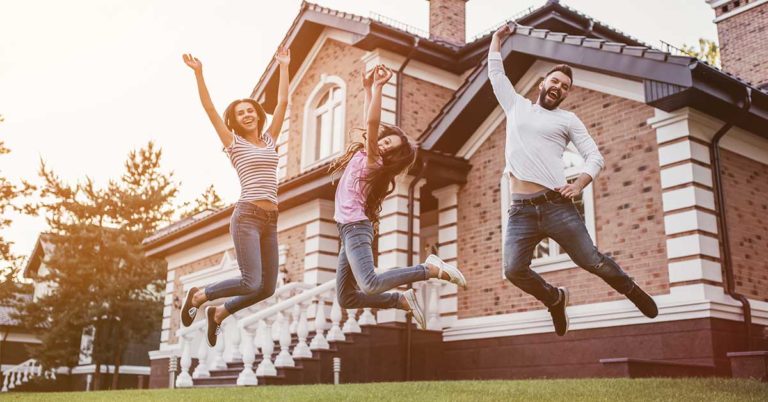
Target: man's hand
(503, 32)
(570, 191)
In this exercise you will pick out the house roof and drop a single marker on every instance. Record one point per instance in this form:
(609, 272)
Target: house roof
(7, 312)
(670, 82)
(36, 256)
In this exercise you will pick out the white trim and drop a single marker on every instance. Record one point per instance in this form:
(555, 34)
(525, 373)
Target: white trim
(695, 269)
(415, 68)
(738, 10)
(683, 151)
(308, 133)
(198, 252)
(328, 33)
(226, 269)
(108, 369)
(683, 303)
(687, 197)
(694, 244)
(690, 220)
(684, 174)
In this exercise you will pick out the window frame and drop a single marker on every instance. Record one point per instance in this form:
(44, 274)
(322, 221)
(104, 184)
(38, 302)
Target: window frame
(311, 113)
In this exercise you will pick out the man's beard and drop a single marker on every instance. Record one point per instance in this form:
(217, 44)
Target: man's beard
(547, 103)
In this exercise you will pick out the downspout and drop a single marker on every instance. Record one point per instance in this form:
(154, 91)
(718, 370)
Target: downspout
(730, 283)
(411, 191)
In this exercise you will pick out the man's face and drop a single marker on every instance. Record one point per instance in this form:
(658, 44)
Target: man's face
(553, 90)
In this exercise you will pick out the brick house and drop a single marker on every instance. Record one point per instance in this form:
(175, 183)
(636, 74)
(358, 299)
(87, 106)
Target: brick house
(655, 207)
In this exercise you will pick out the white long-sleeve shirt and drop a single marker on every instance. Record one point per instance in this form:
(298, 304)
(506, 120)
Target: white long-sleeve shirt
(537, 137)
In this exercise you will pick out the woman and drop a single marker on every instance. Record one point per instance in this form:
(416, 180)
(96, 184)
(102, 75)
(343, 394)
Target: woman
(254, 222)
(369, 171)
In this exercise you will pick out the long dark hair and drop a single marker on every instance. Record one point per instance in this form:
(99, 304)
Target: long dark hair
(231, 121)
(380, 181)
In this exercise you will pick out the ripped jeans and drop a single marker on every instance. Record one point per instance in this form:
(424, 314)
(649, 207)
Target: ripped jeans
(559, 220)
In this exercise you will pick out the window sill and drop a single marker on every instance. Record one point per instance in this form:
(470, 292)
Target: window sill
(314, 164)
(551, 264)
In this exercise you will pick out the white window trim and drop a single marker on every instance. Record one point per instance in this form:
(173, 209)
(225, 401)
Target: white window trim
(558, 262)
(308, 135)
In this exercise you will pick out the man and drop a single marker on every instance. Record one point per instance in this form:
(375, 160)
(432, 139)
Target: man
(537, 135)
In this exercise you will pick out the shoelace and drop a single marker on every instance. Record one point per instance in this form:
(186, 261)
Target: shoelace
(218, 330)
(192, 311)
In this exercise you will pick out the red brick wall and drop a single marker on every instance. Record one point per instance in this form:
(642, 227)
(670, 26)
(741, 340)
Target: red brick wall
(628, 211)
(294, 262)
(447, 20)
(743, 38)
(746, 188)
(422, 101)
(334, 58)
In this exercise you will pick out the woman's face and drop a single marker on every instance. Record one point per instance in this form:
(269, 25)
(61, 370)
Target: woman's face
(389, 143)
(246, 116)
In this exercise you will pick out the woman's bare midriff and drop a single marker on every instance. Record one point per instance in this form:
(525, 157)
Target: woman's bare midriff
(265, 205)
(518, 186)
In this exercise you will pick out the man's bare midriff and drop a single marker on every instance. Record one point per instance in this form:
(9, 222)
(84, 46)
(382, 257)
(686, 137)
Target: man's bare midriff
(265, 205)
(518, 186)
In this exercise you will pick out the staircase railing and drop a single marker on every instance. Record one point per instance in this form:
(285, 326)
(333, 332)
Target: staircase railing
(23, 372)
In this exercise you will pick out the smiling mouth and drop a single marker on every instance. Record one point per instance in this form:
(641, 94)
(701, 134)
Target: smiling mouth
(553, 95)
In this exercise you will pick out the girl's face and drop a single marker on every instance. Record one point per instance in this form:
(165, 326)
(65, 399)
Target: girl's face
(389, 143)
(246, 116)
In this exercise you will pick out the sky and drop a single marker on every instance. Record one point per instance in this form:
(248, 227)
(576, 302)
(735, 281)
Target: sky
(83, 82)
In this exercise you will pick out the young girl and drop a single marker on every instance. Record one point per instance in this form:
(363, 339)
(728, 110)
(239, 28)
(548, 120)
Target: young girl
(369, 176)
(254, 222)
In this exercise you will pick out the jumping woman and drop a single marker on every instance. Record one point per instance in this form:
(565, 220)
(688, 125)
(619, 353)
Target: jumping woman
(254, 221)
(369, 171)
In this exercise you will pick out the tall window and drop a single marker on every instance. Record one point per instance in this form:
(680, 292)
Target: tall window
(548, 255)
(324, 122)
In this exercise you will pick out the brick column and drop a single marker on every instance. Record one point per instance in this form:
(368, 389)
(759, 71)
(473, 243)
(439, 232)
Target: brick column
(447, 221)
(690, 219)
(393, 235)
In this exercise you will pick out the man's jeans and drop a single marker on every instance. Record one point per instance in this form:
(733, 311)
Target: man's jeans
(559, 220)
(357, 284)
(254, 232)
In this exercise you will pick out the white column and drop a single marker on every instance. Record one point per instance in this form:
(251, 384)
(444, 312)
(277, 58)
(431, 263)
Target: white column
(266, 367)
(284, 358)
(447, 238)
(302, 331)
(318, 341)
(690, 220)
(335, 334)
(393, 235)
(184, 380)
(321, 245)
(247, 376)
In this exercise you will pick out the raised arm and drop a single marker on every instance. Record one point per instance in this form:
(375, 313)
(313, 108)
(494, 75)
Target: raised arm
(502, 87)
(367, 80)
(283, 58)
(373, 121)
(196, 65)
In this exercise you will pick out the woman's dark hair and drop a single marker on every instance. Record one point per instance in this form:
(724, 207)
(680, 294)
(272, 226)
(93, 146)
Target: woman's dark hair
(231, 121)
(380, 181)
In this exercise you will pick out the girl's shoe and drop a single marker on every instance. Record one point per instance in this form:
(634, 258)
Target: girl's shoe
(453, 273)
(416, 311)
(213, 329)
(188, 311)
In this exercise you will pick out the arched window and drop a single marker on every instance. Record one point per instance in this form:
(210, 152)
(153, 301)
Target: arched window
(324, 120)
(548, 256)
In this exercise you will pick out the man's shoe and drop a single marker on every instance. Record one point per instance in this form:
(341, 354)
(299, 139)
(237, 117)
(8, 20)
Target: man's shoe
(643, 301)
(559, 315)
(188, 311)
(213, 329)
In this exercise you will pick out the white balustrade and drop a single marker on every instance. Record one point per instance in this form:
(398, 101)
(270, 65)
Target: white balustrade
(433, 314)
(335, 334)
(201, 371)
(295, 313)
(22, 373)
(351, 326)
(184, 380)
(232, 354)
(284, 358)
(367, 318)
(247, 376)
(266, 367)
(302, 331)
(318, 341)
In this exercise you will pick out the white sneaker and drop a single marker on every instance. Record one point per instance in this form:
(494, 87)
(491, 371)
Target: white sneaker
(453, 273)
(418, 313)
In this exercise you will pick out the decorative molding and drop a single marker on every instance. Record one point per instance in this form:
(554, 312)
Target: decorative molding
(736, 11)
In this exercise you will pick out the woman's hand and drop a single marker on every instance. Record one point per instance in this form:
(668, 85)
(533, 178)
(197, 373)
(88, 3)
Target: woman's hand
(193, 63)
(283, 56)
(381, 76)
(367, 78)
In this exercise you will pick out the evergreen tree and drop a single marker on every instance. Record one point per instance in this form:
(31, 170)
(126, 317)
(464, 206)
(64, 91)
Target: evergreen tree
(208, 200)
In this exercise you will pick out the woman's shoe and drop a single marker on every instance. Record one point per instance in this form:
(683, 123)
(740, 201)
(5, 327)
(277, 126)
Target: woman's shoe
(453, 273)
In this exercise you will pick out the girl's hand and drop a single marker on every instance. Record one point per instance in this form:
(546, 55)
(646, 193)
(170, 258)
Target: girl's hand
(382, 75)
(283, 56)
(193, 63)
(367, 78)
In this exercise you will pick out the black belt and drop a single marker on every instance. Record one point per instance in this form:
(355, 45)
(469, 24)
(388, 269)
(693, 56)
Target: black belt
(549, 196)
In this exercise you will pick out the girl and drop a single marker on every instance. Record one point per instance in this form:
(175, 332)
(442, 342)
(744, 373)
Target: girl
(254, 222)
(369, 176)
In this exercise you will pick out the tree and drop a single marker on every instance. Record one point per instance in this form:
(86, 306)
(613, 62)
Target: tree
(208, 200)
(98, 270)
(707, 51)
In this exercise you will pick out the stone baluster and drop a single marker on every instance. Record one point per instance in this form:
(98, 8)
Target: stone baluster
(351, 326)
(266, 368)
(284, 358)
(335, 334)
(218, 353)
(5, 381)
(433, 316)
(201, 371)
(295, 313)
(302, 331)
(318, 341)
(277, 323)
(184, 380)
(367, 318)
(247, 376)
(12, 383)
(233, 351)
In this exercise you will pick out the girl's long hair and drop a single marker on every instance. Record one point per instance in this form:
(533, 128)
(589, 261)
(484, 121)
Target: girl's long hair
(380, 180)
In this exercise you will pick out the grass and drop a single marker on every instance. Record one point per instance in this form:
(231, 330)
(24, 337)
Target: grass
(524, 390)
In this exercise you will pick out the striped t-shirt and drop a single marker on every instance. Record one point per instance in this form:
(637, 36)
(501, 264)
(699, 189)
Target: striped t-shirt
(256, 167)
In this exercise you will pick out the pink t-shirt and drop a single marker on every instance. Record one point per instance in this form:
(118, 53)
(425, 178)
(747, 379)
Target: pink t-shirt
(350, 200)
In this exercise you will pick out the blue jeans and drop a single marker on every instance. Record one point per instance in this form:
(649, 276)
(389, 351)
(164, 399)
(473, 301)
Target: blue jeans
(357, 284)
(559, 220)
(254, 232)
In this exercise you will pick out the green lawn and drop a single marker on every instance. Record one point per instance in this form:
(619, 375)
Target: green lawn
(529, 390)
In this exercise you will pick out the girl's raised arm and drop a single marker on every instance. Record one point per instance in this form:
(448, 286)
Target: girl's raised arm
(380, 77)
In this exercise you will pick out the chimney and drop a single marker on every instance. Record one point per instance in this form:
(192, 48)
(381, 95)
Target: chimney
(742, 30)
(447, 20)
